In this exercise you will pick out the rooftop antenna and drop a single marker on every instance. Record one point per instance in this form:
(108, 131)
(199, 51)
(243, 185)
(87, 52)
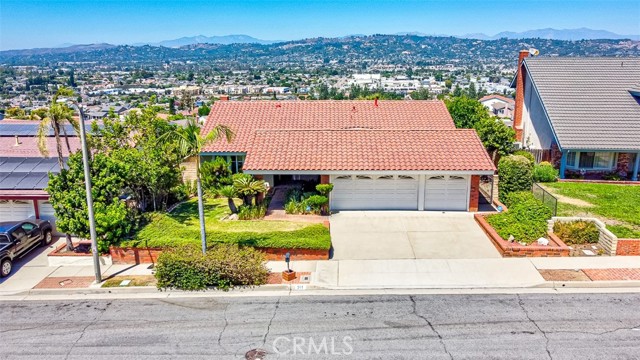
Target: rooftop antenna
(534, 52)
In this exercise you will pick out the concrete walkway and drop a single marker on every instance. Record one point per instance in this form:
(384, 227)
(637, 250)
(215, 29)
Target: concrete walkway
(380, 235)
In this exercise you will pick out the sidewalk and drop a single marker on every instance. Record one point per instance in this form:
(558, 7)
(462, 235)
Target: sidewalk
(33, 275)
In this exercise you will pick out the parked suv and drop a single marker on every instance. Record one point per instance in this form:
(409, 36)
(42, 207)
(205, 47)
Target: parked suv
(18, 238)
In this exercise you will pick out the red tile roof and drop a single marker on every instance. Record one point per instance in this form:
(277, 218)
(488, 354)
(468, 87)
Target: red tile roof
(245, 117)
(29, 146)
(367, 150)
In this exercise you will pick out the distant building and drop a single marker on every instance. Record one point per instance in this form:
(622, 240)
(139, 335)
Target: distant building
(499, 106)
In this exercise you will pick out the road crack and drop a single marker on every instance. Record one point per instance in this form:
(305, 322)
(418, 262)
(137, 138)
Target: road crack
(526, 313)
(424, 318)
(84, 329)
(275, 311)
(226, 323)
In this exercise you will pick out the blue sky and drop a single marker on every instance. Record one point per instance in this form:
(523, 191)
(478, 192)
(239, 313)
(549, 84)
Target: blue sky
(33, 23)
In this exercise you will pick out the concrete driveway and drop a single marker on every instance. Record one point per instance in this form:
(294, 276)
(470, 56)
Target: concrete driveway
(373, 235)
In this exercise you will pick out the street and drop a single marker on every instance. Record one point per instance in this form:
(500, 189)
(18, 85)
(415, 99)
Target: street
(533, 326)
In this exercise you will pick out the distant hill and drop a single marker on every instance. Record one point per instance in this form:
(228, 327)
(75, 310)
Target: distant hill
(201, 39)
(555, 34)
(58, 50)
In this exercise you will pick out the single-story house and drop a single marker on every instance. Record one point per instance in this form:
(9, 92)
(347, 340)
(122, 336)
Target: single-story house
(24, 172)
(380, 155)
(581, 113)
(498, 105)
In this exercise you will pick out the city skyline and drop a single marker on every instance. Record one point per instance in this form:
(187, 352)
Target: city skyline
(29, 24)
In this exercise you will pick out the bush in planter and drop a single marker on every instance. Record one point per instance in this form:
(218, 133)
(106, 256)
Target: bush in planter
(515, 173)
(576, 232)
(544, 172)
(526, 219)
(324, 189)
(224, 266)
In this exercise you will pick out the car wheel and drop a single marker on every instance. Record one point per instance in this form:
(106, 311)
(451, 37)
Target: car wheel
(46, 240)
(5, 267)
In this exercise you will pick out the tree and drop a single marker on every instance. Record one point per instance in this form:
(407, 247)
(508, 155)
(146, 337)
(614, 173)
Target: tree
(466, 112)
(172, 106)
(114, 219)
(421, 94)
(190, 143)
(496, 137)
(247, 187)
(72, 79)
(204, 110)
(471, 91)
(58, 115)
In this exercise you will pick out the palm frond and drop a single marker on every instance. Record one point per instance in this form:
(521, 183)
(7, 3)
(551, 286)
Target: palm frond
(42, 134)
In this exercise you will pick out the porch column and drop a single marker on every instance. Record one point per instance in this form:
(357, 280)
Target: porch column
(563, 163)
(36, 209)
(636, 165)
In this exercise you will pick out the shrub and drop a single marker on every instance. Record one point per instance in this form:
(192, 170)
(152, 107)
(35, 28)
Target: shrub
(223, 266)
(324, 189)
(295, 207)
(253, 212)
(544, 172)
(294, 194)
(316, 203)
(612, 176)
(526, 219)
(526, 154)
(515, 175)
(216, 173)
(577, 232)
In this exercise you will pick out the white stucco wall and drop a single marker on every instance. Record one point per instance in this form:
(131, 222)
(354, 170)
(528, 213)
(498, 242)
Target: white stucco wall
(537, 131)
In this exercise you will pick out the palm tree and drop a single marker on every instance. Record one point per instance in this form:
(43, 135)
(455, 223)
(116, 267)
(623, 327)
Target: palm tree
(190, 143)
(229, 192)
(57, 115)
(248, 187)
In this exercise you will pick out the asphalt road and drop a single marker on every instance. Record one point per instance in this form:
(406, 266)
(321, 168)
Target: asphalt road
(581, 326)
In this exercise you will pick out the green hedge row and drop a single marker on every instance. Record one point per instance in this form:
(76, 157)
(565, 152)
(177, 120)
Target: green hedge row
(224, 266)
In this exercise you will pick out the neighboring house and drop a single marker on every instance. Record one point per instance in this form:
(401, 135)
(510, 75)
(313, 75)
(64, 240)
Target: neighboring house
(24, 172)
(402, 155)
(581, 113)
(499, 105)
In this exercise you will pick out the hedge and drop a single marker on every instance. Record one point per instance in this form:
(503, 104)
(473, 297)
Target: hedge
(224, 266)
(515, 173)
(544, 172)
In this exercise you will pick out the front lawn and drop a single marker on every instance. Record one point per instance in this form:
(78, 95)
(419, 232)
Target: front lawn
(617, 205)
(182, 227)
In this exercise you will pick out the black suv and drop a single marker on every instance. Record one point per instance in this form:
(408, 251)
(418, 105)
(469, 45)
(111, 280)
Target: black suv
(18, 238)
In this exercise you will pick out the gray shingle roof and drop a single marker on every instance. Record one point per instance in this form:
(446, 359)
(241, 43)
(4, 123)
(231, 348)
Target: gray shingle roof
(589, 102)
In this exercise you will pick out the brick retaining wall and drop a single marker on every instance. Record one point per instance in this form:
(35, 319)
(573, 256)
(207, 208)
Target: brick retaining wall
(150, 256)
(628, 247)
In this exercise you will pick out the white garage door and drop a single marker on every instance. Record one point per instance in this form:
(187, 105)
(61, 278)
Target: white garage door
(374, 192)
(12, 210)
(446, 192)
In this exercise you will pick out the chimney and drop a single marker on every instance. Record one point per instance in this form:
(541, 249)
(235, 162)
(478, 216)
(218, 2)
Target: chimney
(517, 112)
(18, 143)
(224, 97)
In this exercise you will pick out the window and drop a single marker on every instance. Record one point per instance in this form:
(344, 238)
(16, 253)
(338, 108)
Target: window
(603, 160)
(27, 227)
(344, 177)
(4, 239)
(571, 159)
(586, 160)
(436, 178)
(18, 233)
(405, 177)
(456, 178)
(235, 161)
(385, 177)
(363, 177)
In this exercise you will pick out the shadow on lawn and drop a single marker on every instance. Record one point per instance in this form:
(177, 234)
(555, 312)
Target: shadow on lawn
(189, 211)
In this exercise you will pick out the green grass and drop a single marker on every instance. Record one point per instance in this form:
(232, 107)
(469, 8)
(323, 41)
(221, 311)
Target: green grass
(181, 227)
(618, 205)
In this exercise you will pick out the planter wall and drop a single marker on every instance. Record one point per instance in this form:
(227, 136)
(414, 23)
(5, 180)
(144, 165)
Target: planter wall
(150, 255)
(56, 258)
(556, 247)
(606, 239)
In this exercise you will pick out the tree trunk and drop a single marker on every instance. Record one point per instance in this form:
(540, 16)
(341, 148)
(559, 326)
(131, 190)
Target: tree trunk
(203, 235)
(232, 206)
(56, 133)
(69, 242)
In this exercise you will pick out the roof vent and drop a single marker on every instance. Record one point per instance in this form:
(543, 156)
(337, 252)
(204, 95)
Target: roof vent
(18, 143)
